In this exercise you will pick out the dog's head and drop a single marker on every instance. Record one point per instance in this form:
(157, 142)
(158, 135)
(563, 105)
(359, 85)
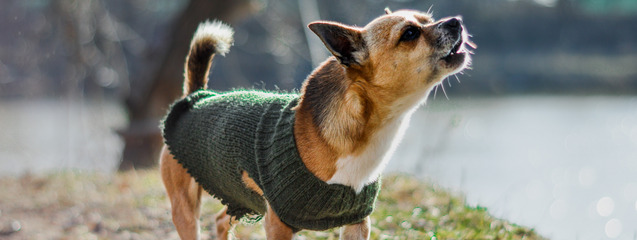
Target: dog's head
(399, 53)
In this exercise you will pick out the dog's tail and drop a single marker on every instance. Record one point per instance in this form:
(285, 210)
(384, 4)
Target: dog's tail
(210, 38)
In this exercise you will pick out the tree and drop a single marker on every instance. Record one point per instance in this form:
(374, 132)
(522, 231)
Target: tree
(149, 99)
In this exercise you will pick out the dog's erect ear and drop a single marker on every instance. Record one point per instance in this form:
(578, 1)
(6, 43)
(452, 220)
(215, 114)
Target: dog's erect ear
(344, 42)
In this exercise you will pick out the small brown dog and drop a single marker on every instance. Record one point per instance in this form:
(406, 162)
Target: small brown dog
(308, 161)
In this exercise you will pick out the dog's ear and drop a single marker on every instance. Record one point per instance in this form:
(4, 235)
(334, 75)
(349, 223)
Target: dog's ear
(344, 42)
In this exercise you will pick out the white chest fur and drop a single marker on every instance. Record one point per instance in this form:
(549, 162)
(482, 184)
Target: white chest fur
(357, 171)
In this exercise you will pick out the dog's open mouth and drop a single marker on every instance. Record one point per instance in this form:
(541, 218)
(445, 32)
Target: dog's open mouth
(458, 54)
(455, 50)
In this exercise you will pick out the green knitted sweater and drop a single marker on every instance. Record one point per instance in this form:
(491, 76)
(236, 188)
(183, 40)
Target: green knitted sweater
(218, 136)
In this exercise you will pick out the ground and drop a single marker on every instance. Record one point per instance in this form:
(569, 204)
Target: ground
(133, 205)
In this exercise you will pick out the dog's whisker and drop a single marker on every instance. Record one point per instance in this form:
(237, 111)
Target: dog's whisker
(471, 43)
(443, 90)
(456, 76)
(435, 91)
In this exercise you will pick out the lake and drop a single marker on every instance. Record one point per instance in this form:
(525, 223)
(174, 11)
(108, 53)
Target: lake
(566, 166)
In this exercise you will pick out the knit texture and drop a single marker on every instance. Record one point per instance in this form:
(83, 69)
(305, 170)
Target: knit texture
(218, 136)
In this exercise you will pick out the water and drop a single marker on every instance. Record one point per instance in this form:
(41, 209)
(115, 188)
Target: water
(565, 166)
(46, 135)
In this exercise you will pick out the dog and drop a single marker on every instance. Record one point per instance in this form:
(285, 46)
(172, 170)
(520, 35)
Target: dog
(310, 160)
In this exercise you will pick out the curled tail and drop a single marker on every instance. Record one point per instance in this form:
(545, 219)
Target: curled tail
(210, 38)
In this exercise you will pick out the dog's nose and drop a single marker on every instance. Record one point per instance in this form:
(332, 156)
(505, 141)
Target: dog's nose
(453, 25)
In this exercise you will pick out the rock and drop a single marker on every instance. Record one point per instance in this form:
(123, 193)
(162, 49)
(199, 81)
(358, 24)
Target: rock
(10, 227)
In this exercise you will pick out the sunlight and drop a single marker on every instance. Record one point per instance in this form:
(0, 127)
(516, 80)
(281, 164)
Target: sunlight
(605, 206)
(613, 228)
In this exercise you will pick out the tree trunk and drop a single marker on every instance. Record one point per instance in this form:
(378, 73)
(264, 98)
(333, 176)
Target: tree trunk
(149, 102)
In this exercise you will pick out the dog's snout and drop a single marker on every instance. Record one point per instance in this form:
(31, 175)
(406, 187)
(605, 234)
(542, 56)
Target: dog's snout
(453, 25)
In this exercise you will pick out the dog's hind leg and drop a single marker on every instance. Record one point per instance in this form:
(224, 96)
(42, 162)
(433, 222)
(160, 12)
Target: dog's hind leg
(359, 231)
(224, 223)
(184, 194)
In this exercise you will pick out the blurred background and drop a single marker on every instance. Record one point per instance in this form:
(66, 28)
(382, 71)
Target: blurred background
(542, 130)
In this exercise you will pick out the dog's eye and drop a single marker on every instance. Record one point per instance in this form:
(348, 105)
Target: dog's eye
(410, 33)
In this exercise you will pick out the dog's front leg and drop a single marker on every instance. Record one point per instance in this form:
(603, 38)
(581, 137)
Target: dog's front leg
(357, 231)
(275, 228)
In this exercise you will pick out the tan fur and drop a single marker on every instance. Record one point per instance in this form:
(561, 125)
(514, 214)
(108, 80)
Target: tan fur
(184, 194)
(274, 228)
(317, 155)
(224, 223)
(375, 92)
(357, 231)
(374, 79)
(250, 183)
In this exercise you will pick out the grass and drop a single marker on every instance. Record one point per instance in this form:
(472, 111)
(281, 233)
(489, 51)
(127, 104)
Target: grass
(133, 205)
